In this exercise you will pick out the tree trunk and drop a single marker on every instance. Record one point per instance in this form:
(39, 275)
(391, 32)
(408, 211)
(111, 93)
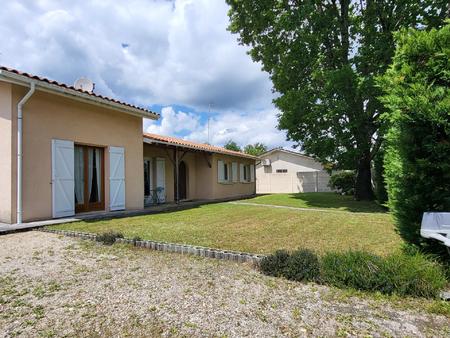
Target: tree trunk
(363, 185)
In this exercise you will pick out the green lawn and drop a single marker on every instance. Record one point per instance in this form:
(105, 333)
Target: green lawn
(319, 200)
(258, 229)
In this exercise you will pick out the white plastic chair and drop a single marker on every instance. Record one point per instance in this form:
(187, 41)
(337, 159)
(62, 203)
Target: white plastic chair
(436, 225)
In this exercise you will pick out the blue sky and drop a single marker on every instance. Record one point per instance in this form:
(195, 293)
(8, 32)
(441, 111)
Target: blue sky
(175, 57)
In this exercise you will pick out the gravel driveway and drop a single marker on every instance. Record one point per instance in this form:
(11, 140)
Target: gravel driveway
(58, 286)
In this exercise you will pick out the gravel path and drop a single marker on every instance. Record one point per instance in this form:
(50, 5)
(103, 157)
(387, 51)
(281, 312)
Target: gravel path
(55, 286)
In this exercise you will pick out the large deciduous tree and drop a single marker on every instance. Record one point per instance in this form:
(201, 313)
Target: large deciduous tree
(322, 57)
(231, 145)
(255, 149)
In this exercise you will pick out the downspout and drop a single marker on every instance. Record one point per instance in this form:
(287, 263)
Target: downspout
(19, 150)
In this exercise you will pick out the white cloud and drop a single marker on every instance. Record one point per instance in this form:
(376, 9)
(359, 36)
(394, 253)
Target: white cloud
(148, 53)
(241, 128)
(172, 122)
(178, 52)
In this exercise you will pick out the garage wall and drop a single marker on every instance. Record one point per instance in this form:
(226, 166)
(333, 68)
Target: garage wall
(303, 175)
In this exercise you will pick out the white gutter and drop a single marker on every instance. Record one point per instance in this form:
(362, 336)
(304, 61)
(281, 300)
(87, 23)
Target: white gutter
(19, 149)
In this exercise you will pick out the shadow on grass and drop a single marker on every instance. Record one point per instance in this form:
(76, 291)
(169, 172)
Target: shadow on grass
(323, 200)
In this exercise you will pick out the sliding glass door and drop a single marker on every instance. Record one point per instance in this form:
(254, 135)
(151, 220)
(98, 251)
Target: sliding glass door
(89, 178)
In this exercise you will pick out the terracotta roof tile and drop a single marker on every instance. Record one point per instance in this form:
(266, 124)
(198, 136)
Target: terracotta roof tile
(195, 145)
(63, 85)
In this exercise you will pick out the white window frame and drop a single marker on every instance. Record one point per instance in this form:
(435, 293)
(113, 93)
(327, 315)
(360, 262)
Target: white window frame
(234, 172)
(224, 172)
(246, 173)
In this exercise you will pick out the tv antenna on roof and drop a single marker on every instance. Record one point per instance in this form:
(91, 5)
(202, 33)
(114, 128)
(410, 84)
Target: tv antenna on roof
(209, 113)
(84, 84)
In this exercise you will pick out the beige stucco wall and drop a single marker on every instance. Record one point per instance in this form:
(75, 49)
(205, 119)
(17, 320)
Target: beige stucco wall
(5, 152)
(232, 189)
(48, 117)
(153, 152)
(202, 183)
(303, 174)
(205, 176)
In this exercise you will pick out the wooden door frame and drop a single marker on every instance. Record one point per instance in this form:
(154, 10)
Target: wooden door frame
(86, 206)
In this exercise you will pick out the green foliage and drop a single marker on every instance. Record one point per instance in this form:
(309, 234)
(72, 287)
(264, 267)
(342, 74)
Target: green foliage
(378, 177)
(343, 181)
(355, 269)
(417, 164)
(322, 58)
(302, 265)
(275, 265)
(255, 149)
(405, 275)
(416, 275)
(109, 237)
(231, 145)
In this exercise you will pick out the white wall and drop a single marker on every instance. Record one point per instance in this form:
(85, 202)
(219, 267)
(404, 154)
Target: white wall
(303, 174)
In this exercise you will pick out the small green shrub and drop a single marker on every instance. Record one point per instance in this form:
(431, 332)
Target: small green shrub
(344, 182)
(275, 265)
(109, 237)
(354, 269)
(412, 274)
(302, 265)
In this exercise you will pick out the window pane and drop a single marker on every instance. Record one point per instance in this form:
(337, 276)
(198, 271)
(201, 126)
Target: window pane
(146, 178)
(94, 174)
(79, 175)
(225, 171)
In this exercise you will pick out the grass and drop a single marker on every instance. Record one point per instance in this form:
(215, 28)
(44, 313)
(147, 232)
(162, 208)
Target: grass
(259, 230)
(320, 200)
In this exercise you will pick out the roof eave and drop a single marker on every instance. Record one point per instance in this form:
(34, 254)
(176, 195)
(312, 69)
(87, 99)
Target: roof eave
(285, 151)
(149, 140)
(74, 94)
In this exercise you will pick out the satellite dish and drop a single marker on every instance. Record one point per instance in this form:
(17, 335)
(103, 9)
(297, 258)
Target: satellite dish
(84, 84)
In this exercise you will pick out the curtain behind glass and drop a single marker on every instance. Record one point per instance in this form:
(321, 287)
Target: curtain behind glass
(98, 168)
(79, 176)
(90, 172)
(94, 174)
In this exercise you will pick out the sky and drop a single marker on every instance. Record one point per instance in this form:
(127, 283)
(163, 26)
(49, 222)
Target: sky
(174, 57)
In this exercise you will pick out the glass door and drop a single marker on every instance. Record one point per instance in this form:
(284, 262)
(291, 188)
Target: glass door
(148, 184)
(89, 178)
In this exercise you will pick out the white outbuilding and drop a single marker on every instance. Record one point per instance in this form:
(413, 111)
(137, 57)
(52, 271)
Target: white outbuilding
(286, 171)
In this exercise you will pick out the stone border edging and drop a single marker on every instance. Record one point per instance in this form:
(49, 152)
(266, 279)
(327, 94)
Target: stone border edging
(183, 249)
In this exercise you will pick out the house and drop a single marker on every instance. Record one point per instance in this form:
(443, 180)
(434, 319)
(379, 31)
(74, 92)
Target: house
(65, 151)
(285, 171)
